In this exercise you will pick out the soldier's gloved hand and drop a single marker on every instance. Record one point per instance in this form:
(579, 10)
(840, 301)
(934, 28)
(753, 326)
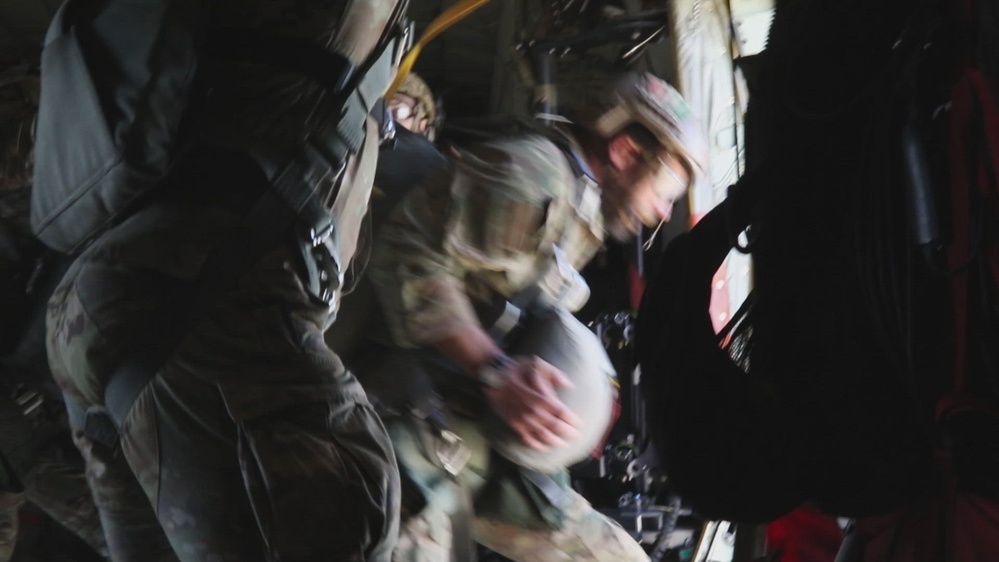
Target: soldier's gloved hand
(524, 397)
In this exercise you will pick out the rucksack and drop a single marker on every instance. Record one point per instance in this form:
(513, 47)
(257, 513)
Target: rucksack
(117, 81)
(107, 132)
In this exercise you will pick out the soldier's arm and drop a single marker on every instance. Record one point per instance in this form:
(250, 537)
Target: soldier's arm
(485, 220)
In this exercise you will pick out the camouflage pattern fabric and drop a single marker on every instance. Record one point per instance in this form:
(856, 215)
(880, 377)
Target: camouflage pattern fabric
(59, 488)
(48, 473)
(487, 227)
(581, 534)
(252, 442)
(585, 536)
(10, 507)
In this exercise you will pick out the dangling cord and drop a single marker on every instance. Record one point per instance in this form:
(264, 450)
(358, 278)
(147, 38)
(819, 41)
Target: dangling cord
(448, 18)
(648, 243)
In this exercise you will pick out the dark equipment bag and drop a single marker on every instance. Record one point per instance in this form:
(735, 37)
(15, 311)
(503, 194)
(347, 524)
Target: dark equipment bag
(116, 79)
(117, 82)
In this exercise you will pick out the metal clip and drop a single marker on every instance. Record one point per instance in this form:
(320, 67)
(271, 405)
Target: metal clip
(452, 452)
(318, 238)
(330, 276)
(28, 400)
(404, 42)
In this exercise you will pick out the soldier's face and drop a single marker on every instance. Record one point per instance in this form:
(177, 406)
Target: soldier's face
(655, 197)
(640, 189)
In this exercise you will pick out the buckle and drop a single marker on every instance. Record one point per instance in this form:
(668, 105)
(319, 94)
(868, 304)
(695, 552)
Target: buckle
(329, 272)
(452, 452)
(387, 129)
(28, 401)
(318, 238)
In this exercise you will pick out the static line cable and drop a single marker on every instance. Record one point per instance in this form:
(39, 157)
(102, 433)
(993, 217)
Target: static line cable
(441, 23)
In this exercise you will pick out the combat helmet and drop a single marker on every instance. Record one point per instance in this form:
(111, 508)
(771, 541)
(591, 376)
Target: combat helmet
(426, 106)
(644, 99)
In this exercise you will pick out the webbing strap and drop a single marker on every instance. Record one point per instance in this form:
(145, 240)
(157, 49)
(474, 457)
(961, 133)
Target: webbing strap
(330, 69)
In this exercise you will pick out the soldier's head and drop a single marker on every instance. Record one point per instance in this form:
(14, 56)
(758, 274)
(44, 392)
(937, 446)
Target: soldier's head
(413, 106)
(646, 147)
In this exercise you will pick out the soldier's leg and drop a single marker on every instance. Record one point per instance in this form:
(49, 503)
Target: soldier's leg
(131, 529)
(251, 442)
(428, 534)
(424, 537)
(257, 471)
(60, 489)
(130, 525)
(10, 507)
(585, 536)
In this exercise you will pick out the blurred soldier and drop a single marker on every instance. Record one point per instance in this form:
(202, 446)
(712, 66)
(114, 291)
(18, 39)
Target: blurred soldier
(35, 465)
(402, 164)
(477, 273)
(248, 440)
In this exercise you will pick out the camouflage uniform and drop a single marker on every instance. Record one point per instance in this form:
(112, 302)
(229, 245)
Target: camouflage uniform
(50, 477)
(252, 442)
(488, 227)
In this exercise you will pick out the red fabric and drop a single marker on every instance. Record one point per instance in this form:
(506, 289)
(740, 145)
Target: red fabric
(950, 526)
(636, 287)
(962, 109)
(973, 166)
(804, 535)
(953, 525)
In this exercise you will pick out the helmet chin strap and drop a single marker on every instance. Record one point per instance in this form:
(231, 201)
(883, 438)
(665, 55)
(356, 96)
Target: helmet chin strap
(648, 243)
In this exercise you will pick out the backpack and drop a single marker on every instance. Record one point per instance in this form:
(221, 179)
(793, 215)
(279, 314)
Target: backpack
(117, 81)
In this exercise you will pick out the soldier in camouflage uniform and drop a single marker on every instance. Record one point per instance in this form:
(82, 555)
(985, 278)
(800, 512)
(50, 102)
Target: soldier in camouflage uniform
(402, 163)
(33, 428)
(251, 442)
(507, 214)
